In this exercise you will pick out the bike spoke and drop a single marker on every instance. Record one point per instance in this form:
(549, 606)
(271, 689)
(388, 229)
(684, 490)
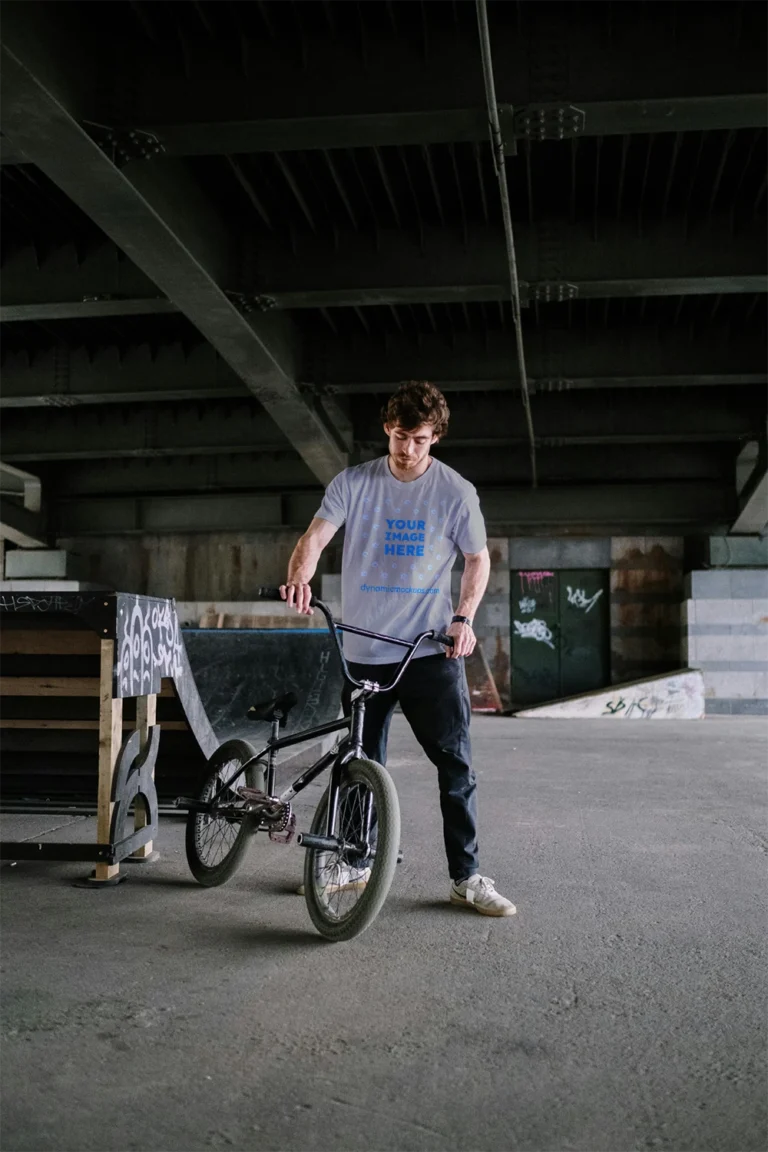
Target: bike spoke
(334, 872)
(216, 835)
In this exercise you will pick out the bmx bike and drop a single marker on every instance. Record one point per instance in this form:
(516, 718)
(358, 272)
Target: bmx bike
(353, 842)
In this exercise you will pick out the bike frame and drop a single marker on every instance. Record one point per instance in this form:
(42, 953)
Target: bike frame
(352, 747)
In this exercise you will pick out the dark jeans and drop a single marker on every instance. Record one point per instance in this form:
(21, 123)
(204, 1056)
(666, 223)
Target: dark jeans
(434, 697)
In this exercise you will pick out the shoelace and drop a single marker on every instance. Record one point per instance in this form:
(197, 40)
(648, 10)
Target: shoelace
(487, 885)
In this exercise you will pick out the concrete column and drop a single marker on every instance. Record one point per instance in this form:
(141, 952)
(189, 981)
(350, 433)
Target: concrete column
(646, 591)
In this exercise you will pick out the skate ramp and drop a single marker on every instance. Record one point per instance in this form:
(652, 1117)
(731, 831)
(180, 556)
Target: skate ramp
(672, 696)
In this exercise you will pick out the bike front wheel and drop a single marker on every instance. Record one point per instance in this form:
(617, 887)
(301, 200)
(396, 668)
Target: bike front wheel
(216, 842)
(345, 892)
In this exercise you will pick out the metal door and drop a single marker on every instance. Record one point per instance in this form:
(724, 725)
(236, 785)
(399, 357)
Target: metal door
(560, 634)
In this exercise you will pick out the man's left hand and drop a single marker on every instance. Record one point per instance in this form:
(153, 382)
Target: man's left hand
(464, 641)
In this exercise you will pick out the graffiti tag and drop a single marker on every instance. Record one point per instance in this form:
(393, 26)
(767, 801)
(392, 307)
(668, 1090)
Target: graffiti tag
(644, 707)
(527, 605)
(534, 630)
(579, 598)
(533, 581)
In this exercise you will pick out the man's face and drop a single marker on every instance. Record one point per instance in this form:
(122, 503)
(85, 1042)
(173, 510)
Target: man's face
(409, 447)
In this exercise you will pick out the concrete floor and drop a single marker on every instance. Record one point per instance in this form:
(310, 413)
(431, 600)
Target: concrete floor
(622, 1008)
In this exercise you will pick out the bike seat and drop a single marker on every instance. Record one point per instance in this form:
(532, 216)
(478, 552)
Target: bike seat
(276, 708)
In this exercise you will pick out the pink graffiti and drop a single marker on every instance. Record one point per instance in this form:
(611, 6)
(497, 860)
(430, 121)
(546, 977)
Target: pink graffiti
(534, 581)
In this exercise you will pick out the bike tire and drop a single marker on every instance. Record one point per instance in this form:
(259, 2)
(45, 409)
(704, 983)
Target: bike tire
(376, 778)
(201, 831)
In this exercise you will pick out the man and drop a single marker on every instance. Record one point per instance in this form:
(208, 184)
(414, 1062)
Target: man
(406, 515)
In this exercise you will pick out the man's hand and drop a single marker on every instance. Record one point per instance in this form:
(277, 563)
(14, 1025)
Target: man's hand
(464, 641)
(298, 596)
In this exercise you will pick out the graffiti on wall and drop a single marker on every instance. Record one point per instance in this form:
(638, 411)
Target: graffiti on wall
(527, 605)
(534, 581)
(579, 599)
(534, 630)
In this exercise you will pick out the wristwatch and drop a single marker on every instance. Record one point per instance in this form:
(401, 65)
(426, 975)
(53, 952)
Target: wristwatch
(462, 620)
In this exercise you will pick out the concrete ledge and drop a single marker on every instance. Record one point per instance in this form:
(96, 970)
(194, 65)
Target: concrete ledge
(672, 696)
(737, 707)
(727, 584)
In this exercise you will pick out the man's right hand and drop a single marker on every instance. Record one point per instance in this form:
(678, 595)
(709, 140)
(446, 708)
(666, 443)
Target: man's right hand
(298, 596)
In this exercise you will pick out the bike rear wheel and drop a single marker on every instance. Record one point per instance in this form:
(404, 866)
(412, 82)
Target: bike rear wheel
(216, 844)
(344, 893)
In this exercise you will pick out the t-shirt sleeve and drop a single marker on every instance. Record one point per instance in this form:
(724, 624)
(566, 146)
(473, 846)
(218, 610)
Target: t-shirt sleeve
(469, 531)
(334, 505)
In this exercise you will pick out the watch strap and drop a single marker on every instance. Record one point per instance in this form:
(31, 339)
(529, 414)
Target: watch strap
(461, 620)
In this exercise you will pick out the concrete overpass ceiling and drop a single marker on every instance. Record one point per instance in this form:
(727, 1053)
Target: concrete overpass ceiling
(322, 172)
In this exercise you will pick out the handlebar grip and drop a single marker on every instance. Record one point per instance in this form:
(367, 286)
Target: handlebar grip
(266, 593)
(443, 639)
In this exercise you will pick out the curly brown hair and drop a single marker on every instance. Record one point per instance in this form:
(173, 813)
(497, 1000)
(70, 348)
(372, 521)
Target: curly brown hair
(417, 402)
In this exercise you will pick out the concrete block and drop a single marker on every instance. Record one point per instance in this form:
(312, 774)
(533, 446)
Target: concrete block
(707, 585)
(498, 549)
(687, 612)
(730, 648)
(723, 612)
(738, 551)
(493, 614)
(674, 696)
(46, 586)
(734, 684)
(749, 583)
(330, 588)
(43, 564)
(760, 612)
(498, 583)
(531, 553)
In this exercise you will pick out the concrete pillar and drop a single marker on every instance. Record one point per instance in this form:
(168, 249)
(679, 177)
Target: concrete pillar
(646, 591)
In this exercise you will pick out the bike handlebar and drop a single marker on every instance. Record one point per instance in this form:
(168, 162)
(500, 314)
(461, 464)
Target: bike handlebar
(270, 593)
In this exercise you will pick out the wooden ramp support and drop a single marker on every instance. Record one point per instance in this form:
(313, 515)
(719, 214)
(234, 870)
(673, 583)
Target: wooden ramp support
(135, 645)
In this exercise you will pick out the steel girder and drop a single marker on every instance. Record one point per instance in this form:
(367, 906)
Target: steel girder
(269, 471)
(163, 223)
(730, 414)
(639, 509)
(642, 79)
(556, 262)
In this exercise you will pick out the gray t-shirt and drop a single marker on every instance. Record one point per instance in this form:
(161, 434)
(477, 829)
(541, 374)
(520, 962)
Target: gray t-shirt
(400, 544)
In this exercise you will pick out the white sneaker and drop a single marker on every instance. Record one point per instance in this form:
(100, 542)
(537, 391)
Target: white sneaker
(345, 879)
(479, 893)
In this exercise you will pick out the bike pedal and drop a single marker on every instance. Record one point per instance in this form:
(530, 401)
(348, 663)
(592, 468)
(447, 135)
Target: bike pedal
(251, 794)
(284, 835)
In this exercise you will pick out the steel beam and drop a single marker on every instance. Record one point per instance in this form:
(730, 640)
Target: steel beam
(20, 525)
(198, 101)
(102, 275)
(557, 359)
(471, 362)
(555, 262)
(157, 430)
(752, 518)
(65, 377)
(667, 416)
(9, 153)
(214, 427)
(163, 223)
(266, 471)
(673, 507)
(269, 471)
(459, 125)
